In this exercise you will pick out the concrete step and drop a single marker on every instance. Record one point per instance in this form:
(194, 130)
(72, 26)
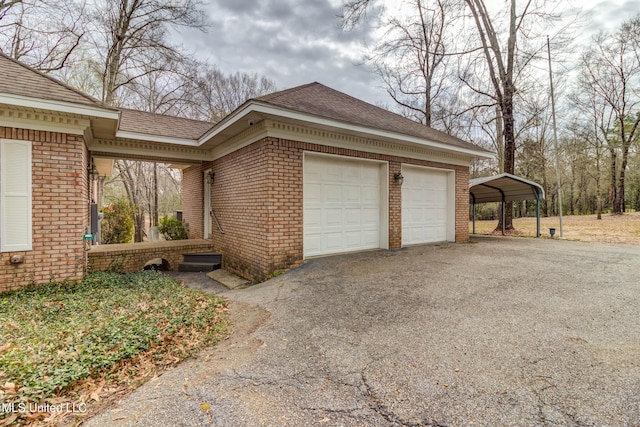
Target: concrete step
(198, 266)
(203, 257)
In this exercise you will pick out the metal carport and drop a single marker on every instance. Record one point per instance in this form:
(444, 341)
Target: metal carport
(504, 188)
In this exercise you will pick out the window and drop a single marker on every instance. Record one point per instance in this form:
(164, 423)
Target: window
(15, 195)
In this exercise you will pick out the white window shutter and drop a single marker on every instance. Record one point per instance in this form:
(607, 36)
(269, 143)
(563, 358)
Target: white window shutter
(15, 196)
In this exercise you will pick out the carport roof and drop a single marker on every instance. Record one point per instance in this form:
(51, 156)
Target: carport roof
(503, 187)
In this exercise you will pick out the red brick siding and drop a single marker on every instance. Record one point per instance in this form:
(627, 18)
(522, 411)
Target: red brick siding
(462, 205)
(192, 201)
(257, 196)
(60, 210)
(395, 206)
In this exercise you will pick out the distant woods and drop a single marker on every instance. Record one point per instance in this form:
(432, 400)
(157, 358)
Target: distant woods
(478, 70)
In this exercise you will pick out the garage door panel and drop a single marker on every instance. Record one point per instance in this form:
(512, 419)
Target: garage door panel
(347, 193)
(313, 218)
(352, 217)
(313, 241)
(424, 205)
(332, 193)
(370, 217)
(333, 240)
(332, 217)
(315, 193)
(370, 194)
(351, 194)
(353, 239)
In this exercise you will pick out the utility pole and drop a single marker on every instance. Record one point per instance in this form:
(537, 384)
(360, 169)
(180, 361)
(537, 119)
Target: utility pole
(555, 136)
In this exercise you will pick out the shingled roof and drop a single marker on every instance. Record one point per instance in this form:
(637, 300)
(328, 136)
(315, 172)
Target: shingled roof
(319, 100)
(161, 125)
(20, 79)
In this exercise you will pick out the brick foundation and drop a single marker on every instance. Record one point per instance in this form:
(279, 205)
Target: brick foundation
(257, 197)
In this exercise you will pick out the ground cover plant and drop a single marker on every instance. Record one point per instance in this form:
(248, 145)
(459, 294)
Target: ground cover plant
(623, 229)
(73, 343)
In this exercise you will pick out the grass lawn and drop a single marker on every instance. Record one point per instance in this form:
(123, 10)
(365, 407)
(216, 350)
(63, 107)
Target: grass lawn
(623, 229)
(76, 344)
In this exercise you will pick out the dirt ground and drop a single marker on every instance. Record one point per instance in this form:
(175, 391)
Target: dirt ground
(624, 229)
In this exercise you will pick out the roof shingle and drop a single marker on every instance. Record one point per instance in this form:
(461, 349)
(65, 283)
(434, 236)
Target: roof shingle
(319, 100)
(20, 79)
(161, 125)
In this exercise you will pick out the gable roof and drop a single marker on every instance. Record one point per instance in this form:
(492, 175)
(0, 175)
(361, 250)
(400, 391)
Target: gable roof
(141, 122)
(504, 186)
(22, 80)
(320, 100)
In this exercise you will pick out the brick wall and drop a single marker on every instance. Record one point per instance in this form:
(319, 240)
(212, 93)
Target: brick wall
(60, 210)
(192, 201)
(462, 205)
(239, 197)
(257, 197)
(130, 257)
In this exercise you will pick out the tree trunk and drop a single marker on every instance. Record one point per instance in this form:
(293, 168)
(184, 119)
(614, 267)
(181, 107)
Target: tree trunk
(615, 202)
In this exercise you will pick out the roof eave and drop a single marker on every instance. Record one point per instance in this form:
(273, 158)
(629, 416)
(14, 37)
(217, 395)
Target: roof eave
(252, 106)
(59, 106)
(157, 138)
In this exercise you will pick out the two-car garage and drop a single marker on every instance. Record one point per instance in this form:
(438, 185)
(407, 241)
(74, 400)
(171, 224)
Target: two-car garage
(346, 204)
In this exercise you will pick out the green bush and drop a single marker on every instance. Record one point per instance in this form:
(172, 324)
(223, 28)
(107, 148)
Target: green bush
(117, 224)
(172, 229)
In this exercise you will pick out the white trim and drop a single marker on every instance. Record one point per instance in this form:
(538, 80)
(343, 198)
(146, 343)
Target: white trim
(61, 106)
(28, 245)
(345, 126)
(155, 138)
(350, 142)
(147, 149)
(207, 229)
(247, 137)
(269, 128)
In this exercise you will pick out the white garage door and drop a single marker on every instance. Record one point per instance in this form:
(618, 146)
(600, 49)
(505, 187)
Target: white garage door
(342, 205)
(426, 213)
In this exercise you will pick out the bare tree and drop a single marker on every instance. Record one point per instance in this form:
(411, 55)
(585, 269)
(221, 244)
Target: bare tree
(41, 33)
(411, 58)
(219, 94)
(131, 39)
(612, 71)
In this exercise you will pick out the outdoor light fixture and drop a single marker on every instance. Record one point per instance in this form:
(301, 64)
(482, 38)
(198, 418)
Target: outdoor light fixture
(398, 178)
(93, 173)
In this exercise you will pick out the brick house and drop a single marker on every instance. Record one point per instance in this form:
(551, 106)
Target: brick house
(51, 136)
(311, 171)
(303, 172)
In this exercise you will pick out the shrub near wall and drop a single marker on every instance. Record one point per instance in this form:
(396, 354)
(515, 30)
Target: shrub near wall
(172, 228)
(117, 224)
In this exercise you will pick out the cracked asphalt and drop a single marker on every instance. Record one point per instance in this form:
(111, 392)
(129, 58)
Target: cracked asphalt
(499, 332)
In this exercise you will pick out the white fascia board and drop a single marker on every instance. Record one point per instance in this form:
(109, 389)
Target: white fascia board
(261, 108)
(60, 106)
(157, 138)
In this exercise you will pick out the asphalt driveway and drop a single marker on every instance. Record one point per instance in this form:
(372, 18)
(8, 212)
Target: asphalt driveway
(500, 332)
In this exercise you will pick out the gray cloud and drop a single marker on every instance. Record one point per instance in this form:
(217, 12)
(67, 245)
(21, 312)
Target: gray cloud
(290, 41)
(295, 42)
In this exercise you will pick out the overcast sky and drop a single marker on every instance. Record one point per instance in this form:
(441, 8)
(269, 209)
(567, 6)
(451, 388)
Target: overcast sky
(294, 42)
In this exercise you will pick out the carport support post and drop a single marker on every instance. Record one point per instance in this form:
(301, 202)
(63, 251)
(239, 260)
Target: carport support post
(474, 213)
(503, 212)
(537, 216)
